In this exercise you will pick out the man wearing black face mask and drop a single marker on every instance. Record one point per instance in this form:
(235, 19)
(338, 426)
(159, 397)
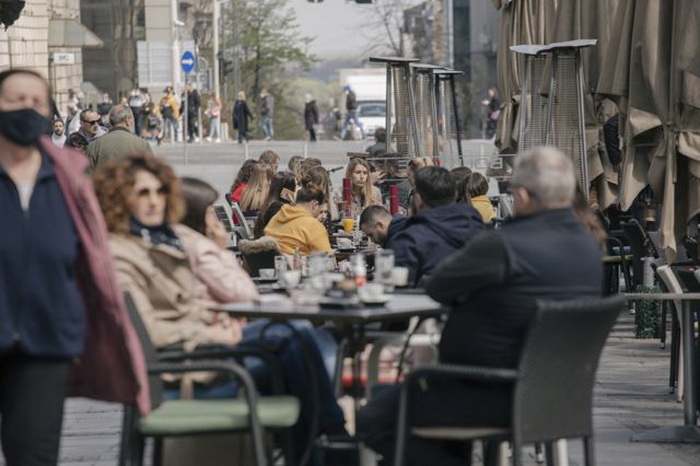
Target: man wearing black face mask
(54, 258)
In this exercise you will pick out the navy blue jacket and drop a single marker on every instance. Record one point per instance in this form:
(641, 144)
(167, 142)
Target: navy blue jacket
(422, 241)
(41, 309)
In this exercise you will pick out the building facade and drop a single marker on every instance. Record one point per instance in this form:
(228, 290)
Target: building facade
(49, 38)
(463, 35)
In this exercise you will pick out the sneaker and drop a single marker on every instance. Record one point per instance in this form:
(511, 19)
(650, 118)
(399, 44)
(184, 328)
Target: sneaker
(268, 138)
(217, 140)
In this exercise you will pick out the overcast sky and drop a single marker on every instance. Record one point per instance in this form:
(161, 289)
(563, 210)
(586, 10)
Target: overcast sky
(337, 25)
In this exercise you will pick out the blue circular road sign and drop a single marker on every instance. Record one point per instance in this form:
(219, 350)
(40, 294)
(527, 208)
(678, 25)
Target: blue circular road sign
(187, 61)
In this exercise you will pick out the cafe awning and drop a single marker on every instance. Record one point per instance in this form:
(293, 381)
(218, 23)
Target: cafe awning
(64, 32)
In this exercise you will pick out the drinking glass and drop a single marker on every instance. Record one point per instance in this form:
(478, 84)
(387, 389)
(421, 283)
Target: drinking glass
(280, 266)
(383, 264)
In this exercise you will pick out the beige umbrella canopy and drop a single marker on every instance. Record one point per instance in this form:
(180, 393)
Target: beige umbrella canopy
(653, 75)
(648, 63)
(522, 22)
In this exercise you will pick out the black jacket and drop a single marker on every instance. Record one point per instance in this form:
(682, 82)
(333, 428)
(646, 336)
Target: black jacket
(351, 101)
(493, 284)
(495, 281)
(428, 237)
(241, 114)
(310, 115)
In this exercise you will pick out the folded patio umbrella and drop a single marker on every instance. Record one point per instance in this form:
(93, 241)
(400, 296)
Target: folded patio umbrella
(652, 74)
(522, 22)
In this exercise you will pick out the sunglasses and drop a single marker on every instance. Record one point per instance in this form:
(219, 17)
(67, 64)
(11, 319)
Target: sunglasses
(92, 122)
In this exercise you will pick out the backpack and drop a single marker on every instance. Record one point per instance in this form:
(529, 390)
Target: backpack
(152, 122)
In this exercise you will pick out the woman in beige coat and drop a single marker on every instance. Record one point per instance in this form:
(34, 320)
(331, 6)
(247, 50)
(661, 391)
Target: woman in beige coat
(141, 200)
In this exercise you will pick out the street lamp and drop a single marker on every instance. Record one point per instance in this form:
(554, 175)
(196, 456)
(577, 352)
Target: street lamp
(217, 83)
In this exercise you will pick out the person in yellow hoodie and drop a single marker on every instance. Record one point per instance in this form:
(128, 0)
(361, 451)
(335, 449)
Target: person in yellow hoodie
(170, 110)
(298, 225)
(477, 187)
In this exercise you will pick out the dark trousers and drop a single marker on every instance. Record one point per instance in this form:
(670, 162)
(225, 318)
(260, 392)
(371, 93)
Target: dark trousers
(192, 126)
(443, 403)
(32, 391)
(312, 135)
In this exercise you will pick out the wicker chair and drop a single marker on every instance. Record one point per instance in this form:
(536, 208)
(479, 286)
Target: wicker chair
(552, 396)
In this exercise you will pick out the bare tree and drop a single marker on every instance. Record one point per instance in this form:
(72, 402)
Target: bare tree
(385, 26)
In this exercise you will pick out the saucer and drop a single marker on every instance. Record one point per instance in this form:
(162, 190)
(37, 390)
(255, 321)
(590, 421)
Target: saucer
(376, 301)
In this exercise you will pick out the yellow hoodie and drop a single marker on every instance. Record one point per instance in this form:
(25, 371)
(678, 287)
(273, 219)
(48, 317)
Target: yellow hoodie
(293, 226)
(485, 208)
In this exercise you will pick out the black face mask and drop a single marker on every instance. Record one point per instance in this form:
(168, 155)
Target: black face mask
(23, 127)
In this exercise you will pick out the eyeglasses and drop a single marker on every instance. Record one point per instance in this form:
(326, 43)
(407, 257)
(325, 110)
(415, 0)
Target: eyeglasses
(92, 122)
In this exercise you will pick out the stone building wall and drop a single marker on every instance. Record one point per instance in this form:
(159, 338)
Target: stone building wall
(25, 45)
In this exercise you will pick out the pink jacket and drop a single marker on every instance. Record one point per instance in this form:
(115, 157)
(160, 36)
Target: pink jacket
(112, 367)
(217, 268)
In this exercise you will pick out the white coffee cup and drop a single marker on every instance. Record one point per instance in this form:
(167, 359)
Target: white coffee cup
(399, 276)
(291, 278)
(344, 243)
(267, 273)
(372, 292)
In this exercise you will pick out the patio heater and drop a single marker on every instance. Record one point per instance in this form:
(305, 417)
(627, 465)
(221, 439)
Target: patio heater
(426, 109)
(551, 113)
(401, 128)
(449, 136)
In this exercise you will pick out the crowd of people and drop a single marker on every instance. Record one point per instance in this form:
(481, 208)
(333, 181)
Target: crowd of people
(76, 241)
(163, 120)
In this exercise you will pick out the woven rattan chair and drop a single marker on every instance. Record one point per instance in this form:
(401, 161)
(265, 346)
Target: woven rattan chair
(553, 384)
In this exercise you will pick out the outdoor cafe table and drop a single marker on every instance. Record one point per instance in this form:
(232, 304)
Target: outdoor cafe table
(352, 322)
(401, 306)
(689, 432)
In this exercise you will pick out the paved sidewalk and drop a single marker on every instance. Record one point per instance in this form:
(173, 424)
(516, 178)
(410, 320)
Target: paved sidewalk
(631, 396)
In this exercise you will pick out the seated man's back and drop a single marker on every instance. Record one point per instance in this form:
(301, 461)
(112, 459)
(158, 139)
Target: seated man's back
(547, 255)
(439, 228)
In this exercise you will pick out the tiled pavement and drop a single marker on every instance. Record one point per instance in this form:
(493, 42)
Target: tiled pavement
(631, 396)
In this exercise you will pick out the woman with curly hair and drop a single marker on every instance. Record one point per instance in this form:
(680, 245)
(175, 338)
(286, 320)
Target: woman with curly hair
(364, 193)
(142, 201)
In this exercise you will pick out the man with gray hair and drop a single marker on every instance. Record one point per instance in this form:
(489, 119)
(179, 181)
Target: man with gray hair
(492, 285)
(120, 142)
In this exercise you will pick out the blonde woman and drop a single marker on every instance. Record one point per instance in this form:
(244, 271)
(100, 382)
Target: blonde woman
(241, 115)
(254, 194)
(364, 193)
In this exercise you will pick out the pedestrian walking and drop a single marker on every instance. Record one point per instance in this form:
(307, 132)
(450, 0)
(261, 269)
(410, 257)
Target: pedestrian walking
(350, 112)
(193, 105)
(310, 117)
(170, 111)
(60, 300)
(214, 115)
(241, 115)
(136, 101)
(267, 109)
